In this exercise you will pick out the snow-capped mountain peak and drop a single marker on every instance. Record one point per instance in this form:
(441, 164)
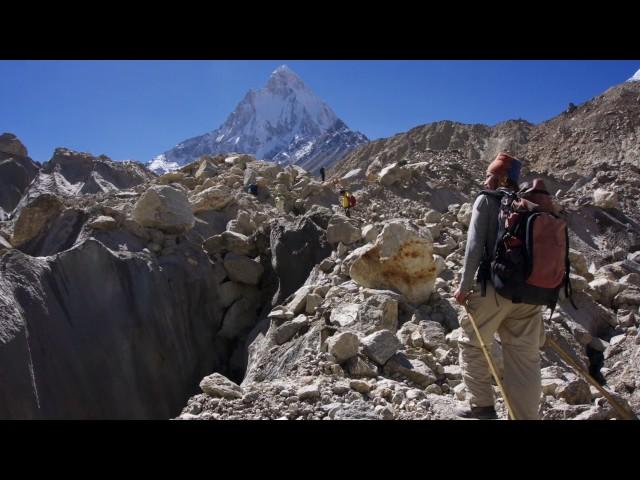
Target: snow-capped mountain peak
(635, 78)
(283, 122)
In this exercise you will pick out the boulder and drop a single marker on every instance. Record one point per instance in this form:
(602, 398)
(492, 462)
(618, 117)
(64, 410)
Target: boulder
(361, 367)
(604, 290)
(229, 292)
(343, 346)
(170, 177)
(630, 296)
(343, 230)
(433, 216)
(212, 198)
(103, 222)
(415, 370)
(206, 170)
(239, 319)
(579, 264)
(233, 242)
(242, 269)
(380, 346)
(35, 217)
(400, 260)
(393, 174)
(165, 208)
(295, 250)
(370, 233)
(218, 386)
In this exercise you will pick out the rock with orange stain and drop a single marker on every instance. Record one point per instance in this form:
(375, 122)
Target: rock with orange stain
(401, 259)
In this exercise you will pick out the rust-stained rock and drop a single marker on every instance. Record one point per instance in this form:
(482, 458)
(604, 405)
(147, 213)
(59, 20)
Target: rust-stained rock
(400, 260)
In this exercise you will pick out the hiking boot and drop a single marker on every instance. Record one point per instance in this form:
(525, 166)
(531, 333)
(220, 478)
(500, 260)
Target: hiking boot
(481, 413)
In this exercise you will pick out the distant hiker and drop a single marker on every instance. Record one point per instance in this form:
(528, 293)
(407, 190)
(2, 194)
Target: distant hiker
(322, 172)
(280, 204)
(514, 284)
(347, 201)
(253, 189)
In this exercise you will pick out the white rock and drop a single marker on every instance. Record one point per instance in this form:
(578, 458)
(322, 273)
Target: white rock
(216, 385)
(165, 208)
(605, 199)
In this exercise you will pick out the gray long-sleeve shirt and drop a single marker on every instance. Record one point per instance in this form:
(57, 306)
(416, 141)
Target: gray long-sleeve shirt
(482, 233)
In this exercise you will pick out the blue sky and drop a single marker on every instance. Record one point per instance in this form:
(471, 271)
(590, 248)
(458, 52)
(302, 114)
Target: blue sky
(136, 109)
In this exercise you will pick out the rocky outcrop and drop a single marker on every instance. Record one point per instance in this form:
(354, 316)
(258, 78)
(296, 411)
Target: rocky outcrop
(69, 174)
(91, 333)
(295, 250)
(17, 171)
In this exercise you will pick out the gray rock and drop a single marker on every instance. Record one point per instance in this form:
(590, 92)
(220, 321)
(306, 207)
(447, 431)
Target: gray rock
(414, 370)
(343, 230)
(313, 302)
(343, 346)
(453, 372)
(433, 216)
(360, 367)
(370, 233)
(287, 330)
(385, 412)
(165, 208)
(299, 302)
(243, 269)
(406, 331)
(340, 388)
(360, 386)
(327, 265)
(87, 304)
(295, 250)
(216, 385)
(345, 314)
(380, 346)
(628, 297)
(574, 392)
(104, 222)
(309, 392)
(357, 410)
(233, 242)
(229, 292)
(433, 334)
(239, 318)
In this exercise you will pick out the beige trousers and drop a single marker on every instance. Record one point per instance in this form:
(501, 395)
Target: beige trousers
(521, 331)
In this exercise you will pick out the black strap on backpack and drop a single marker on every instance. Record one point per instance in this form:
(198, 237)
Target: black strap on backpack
(568, 290)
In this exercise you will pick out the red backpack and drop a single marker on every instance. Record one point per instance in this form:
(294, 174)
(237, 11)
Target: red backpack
(530, 259)
(352, 201)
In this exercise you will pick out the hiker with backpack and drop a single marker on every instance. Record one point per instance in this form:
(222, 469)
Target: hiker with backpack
(519, 247)
(347, 201)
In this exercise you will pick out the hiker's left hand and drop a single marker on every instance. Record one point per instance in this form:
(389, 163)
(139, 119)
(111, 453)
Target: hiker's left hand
(460, 296)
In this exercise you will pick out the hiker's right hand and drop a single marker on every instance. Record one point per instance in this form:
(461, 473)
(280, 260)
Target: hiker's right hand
(460, 296)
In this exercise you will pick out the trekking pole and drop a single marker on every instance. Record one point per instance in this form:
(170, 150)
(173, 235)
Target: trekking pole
(492, 366)
(567, 358)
